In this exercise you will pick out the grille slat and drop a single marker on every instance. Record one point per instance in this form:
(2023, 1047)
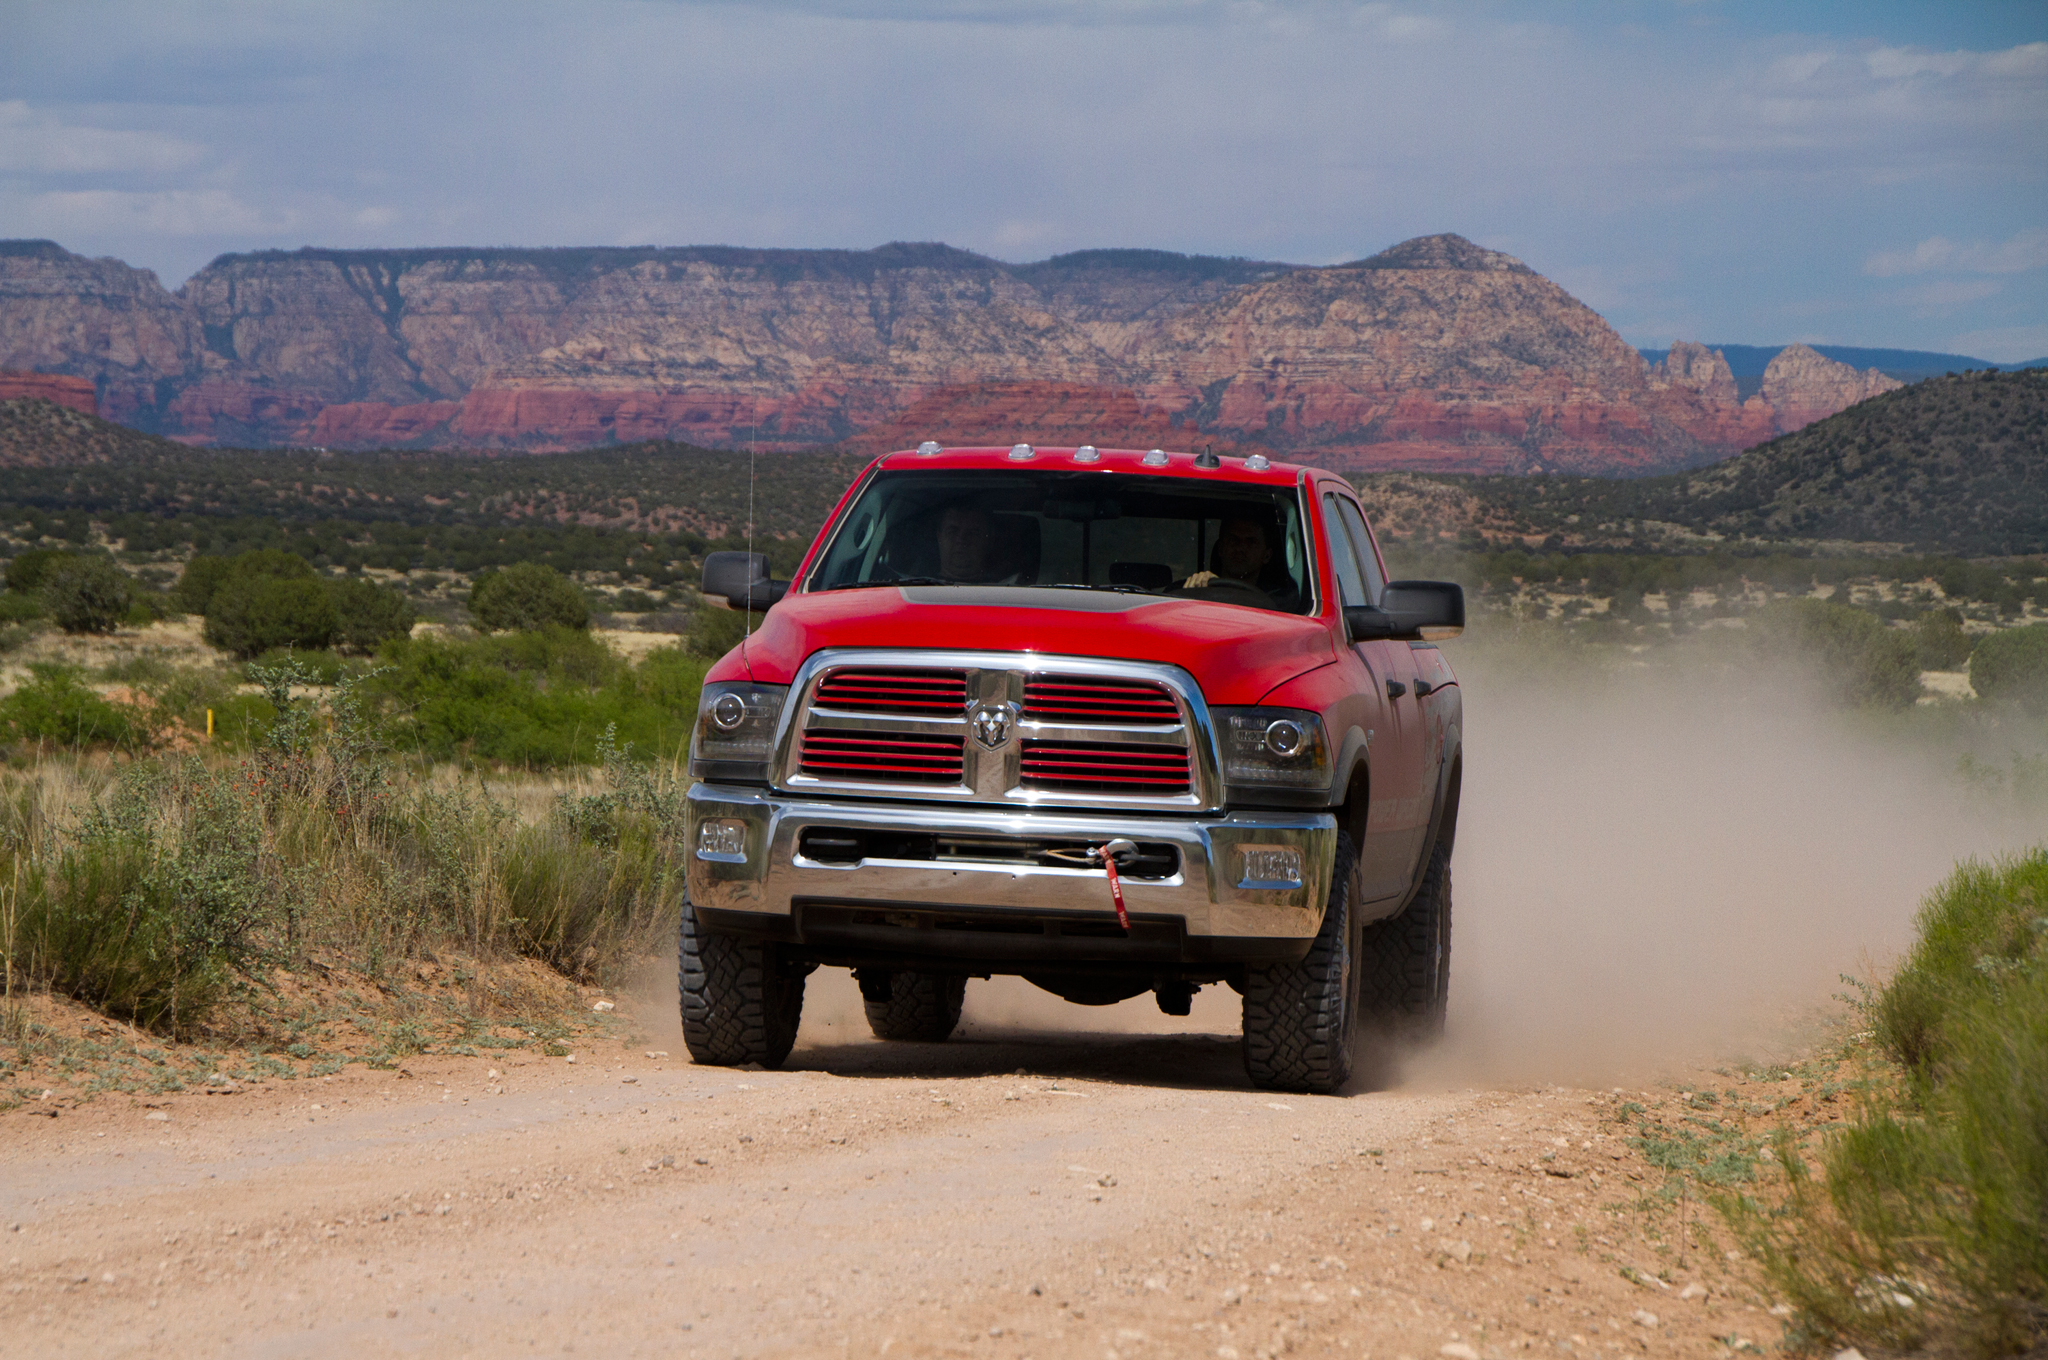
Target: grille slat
(886, 758)
(893, 690)
(1109, 767)
(1089, 699)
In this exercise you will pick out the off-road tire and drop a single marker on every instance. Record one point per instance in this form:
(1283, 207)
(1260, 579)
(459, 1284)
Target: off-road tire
(1406, 970)
(740, 1004)
(1301, 1019)
(919, 1008)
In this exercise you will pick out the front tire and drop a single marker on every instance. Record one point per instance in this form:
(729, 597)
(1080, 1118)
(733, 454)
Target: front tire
(1407, 958)
(912, 1007)
(740, 1003)
(1301, 1019)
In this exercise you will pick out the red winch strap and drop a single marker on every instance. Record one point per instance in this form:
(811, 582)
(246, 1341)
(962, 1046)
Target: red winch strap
(1116, 889)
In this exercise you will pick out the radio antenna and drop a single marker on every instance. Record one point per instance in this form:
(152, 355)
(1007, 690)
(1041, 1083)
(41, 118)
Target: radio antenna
(753, 434)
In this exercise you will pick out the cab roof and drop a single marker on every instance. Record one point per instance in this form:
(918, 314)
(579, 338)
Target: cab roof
(1163, 463)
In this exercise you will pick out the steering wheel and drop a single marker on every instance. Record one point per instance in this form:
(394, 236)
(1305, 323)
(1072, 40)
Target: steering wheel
(1226, 590)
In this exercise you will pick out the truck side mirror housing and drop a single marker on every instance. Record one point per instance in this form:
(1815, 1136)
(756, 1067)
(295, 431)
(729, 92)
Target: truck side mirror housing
(1410, 611)
(741, 580)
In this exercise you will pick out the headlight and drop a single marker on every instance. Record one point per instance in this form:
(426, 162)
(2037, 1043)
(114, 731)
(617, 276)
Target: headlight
(735, 735)
(1274, 748)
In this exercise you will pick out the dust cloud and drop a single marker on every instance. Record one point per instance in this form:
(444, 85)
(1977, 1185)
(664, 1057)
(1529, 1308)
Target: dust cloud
(1653, 868)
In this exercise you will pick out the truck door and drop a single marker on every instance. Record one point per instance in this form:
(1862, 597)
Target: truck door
(1397, 815)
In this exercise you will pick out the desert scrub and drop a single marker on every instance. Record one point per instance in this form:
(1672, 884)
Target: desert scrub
(535, 699)
(155, 902)
(175, 884)
(1926, 1223)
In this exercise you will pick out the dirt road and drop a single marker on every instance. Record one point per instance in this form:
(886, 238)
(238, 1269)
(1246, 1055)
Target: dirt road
(1017, 1192)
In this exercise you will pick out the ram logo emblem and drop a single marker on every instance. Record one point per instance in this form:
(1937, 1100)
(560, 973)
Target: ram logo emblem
(992, 724)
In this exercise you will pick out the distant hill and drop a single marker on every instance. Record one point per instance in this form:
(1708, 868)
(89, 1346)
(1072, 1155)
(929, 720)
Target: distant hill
(35, 432)
(1954, 465)
(1959, 464)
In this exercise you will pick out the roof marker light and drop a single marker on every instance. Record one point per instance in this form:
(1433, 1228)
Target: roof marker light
(929, 447)
(1156, 458)
(1022, 453)
(1258, 462)
(1087, 454)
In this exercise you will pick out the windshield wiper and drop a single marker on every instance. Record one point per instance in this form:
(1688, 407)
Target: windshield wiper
(897, 581)
(1118, 589)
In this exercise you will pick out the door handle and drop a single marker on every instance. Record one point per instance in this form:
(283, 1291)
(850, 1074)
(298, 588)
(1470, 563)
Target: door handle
(1423, 689)
(1395, 689)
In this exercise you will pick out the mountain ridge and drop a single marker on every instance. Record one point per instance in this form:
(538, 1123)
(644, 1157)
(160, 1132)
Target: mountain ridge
(1434, 354)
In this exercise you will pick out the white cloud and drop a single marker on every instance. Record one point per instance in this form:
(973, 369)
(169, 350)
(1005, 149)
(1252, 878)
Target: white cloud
(2005, 344)
(2024, 251)
(37, 144)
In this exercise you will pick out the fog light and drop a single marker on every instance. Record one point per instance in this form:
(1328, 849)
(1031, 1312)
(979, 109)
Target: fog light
(723, 841)
(1271, 866)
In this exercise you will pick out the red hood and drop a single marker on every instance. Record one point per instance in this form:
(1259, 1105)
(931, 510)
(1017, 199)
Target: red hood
(1235, 653)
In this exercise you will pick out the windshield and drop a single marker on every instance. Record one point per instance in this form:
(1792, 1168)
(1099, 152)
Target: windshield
(1227, 542)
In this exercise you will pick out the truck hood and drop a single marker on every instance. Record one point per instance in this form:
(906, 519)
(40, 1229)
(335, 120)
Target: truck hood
(1236, 653)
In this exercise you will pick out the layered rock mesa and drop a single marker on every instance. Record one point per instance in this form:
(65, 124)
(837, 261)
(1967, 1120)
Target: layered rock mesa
(74, 393)
(1435, 354)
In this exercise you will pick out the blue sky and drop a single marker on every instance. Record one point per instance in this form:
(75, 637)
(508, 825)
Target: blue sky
(1871, 174)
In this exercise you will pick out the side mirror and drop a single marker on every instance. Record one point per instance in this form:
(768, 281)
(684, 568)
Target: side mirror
(741, 579)
(1410, 611)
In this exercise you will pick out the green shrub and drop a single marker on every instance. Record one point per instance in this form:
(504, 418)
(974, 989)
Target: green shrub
(1858, 659)
(2011, 666)
(27, 571)
(159, 900)
(205, 574)
(88, 595)
(250, 615)
(1928, 1226)
(55, 706)
(316, 667)
(527, 596)
(716, 630)
(368, 615)
(1941, 640)
(538, 698)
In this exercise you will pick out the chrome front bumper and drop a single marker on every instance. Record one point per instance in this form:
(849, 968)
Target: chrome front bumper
(1209, 896)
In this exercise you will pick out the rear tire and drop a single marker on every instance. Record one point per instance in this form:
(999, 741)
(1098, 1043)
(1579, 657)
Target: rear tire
(1300, 1019)
(740, 1003)
(912, 1007)
(1407, 958)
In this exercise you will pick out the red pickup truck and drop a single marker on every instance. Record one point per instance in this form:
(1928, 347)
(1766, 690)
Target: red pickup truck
(1116, 721)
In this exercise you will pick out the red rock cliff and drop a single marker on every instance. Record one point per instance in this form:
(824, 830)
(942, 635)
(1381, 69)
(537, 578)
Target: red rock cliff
(75, 393)
(1433, 354)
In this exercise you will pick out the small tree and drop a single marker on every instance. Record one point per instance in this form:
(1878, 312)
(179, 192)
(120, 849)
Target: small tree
(205, 574)
(524, 597)
(1859, 659)
(2011, 666)
(1941, 640)
(366, 614)
(28, 571)
(88, 595)
(249, 615)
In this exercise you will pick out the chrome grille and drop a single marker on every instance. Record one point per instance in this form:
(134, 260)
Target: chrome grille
(1115, 767)
(998, 728)
(882, 758)
(877, 689)
(1097, 699)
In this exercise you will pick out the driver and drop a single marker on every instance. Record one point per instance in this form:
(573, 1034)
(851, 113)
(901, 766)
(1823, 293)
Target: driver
(1241, 554)
(970, 548)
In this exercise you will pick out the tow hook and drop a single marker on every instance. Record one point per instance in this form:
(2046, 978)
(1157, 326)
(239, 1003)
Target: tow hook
(1111, 854)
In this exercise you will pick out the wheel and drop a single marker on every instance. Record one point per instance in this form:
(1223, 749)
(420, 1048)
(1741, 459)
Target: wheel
(911, 1007)
(1300, 1018)
(1406, 970)
(740, 1003)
